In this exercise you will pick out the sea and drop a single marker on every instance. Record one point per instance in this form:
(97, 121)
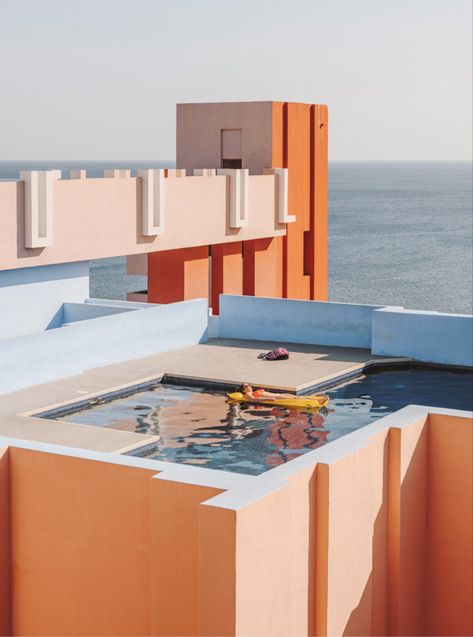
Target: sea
(400, 233)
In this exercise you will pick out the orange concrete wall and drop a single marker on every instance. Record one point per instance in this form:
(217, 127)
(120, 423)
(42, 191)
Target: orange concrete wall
(96, 218)
(227, 271)
(218, 572)
(374, 538)
(280, 135)
(449, 591)
(80, 546)
(178, 275)
(297, 158)
(5, 567)
(318, 254)
(408, 528)
(275, 543)
(355, 554)
(263, 262)
(264, 259)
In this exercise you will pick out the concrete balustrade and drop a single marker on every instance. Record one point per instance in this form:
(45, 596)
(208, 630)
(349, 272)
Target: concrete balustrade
(97, 218)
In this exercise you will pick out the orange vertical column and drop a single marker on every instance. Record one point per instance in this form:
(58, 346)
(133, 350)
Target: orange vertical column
(178, 275)
(226, 271)
(263, 258)
(319, 203)
(297, 160)
(263, 267)
(5, 544)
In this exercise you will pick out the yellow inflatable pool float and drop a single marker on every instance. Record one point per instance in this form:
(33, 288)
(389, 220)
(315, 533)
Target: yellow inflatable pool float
(298, 402)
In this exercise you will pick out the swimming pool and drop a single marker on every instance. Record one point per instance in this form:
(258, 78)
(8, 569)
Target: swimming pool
(201, 428)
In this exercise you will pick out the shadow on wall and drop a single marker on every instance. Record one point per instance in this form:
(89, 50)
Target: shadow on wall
(57, 320)
(371, 614)
(422, 570)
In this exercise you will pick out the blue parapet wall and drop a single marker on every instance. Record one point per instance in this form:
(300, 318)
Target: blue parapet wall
(285, 320)
(430, 337)
(43, 357)
(31, 299)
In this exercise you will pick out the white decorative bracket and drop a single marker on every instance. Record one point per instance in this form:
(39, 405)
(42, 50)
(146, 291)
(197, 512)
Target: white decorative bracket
(117, 173)
(239, 182)
(205, 172)
(152, 201)
(282, 190)
(39, 204)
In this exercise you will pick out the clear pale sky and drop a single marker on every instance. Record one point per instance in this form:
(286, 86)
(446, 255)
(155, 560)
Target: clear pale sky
(99, 79)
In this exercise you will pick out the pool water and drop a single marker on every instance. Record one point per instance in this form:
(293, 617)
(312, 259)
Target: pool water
(201, 428)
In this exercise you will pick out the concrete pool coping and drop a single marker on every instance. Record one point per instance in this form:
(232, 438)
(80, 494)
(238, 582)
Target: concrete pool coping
(220, 361)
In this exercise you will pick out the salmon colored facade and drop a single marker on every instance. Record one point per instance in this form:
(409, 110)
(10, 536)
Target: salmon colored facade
(263, 135)
(367, 536)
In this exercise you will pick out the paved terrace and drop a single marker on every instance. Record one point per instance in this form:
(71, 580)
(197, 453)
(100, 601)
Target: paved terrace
(224, 360)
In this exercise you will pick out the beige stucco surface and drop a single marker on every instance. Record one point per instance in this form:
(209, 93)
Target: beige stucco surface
(199, 133)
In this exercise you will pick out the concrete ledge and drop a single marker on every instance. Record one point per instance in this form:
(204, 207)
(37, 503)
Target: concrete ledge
(424, 336)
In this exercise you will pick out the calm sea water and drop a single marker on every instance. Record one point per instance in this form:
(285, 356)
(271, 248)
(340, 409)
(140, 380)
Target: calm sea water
(400, 233)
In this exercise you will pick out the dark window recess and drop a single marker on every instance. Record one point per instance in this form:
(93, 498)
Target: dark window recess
(231, 163)
(308, 253)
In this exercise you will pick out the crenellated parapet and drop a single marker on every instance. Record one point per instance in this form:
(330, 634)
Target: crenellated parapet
(47, 219)
(245, 210)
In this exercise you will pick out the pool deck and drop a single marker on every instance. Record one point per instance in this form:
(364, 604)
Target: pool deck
(219, 360)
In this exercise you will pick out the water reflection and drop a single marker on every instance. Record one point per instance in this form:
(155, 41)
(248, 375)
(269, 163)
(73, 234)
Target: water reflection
(196, 427)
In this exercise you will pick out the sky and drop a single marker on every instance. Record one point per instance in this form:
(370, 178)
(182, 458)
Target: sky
(99, 79)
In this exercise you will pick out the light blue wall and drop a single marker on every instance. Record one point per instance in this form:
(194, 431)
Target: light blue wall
(424, 336)
(73, 312)
(284, 320)
(388, 331)
(39, 358)
(31, 298)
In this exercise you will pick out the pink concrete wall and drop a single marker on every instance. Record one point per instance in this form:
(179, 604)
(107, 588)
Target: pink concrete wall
(96, 218)
(199, 129)
(80, 546)
(176, 555)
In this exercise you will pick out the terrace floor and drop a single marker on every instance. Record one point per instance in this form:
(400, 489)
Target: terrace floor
(221, 360)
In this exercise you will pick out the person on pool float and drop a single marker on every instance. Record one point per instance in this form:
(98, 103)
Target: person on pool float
(256, 395)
